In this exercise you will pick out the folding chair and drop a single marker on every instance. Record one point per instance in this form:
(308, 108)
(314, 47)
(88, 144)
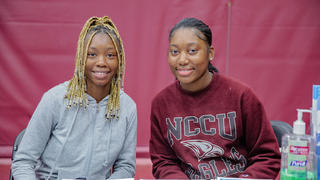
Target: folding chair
(15, 148)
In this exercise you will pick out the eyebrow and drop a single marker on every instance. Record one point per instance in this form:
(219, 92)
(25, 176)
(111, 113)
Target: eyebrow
(109, 48)
(189, 44)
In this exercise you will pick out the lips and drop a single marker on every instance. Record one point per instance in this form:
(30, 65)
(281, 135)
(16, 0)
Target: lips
(184, 71)
(100, 74)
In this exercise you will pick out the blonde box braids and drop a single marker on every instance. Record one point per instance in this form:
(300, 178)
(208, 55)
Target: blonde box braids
(77, 86)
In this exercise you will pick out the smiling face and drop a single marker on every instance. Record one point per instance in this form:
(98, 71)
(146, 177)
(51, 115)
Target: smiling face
(102, 63)
(189, 57)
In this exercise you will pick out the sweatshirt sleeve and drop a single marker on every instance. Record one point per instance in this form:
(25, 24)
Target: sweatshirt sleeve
(264, 156)
(125, 165)
(34, 140)
(166, 165)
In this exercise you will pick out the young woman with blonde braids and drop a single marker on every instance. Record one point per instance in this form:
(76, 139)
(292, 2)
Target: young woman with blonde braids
(85, 127)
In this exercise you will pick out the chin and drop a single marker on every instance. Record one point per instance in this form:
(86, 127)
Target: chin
(101, 83)
(184, 81)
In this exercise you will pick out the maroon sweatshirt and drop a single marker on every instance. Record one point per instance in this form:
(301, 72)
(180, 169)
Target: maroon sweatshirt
(221, 130)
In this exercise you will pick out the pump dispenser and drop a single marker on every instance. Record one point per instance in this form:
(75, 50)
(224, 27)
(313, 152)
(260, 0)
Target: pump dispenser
(298, 152)
(299, 126)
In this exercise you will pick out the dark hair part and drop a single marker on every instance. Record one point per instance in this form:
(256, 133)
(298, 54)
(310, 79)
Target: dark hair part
(204, 33)
(105, 30)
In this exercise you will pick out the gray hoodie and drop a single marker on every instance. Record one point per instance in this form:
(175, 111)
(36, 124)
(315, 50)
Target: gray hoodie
(77, 142)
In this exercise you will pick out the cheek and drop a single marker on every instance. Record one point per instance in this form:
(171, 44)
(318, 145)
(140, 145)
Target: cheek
(172, 65)
(89, 64)
(201, 60)
(113, 65)
(86, 68)
(171, 61)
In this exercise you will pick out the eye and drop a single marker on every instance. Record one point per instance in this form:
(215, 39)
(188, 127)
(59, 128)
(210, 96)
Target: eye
(111, 55)
(91, 54)
(192, 51)
(174, 52)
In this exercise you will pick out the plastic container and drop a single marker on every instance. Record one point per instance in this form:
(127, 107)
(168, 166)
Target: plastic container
(318, 136)
(313, 122)
(298, 156)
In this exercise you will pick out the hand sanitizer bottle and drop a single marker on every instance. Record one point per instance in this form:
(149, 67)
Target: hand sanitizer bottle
(298, 154)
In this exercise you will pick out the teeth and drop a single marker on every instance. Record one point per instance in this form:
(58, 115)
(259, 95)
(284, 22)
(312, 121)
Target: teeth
(100, 72)
(184, 72)
(184, 69)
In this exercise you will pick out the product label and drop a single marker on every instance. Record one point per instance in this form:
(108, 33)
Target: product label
(297, 157)
(298, 163)
(299, 150)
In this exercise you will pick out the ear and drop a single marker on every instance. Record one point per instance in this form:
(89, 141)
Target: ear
(211, 53)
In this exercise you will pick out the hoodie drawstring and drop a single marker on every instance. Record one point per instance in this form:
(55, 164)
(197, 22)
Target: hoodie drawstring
(68, 134)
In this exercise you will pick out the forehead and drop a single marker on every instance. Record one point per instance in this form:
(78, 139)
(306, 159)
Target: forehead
(186, 34)
(101, 37)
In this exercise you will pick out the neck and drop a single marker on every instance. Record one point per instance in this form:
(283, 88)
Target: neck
(98, 93)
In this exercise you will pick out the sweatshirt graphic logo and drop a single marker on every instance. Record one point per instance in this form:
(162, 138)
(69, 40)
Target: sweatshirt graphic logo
(203, 149)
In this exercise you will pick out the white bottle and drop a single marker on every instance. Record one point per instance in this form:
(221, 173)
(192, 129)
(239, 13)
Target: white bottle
(298, 154)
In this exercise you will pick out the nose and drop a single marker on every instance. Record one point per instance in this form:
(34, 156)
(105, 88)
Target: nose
(183, 59)
(102, 61)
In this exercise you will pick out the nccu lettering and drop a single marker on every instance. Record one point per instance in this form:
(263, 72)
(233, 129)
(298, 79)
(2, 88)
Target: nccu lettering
(205, 149)
(205, 128)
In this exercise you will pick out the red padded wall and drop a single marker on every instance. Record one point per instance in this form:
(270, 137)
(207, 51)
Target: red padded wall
(270, 45)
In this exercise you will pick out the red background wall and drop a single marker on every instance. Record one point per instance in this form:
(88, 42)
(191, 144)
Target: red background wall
(273, 46)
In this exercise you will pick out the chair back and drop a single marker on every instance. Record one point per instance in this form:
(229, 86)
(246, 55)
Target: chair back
(15, 148)
(280, 128)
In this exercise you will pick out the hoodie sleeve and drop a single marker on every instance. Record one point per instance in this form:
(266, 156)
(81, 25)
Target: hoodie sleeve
(34, 140)
(165, 162)
(264, 156)
(125, 165)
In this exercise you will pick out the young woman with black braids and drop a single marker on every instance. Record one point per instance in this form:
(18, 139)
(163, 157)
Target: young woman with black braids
(85, 127)
(206, 125)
